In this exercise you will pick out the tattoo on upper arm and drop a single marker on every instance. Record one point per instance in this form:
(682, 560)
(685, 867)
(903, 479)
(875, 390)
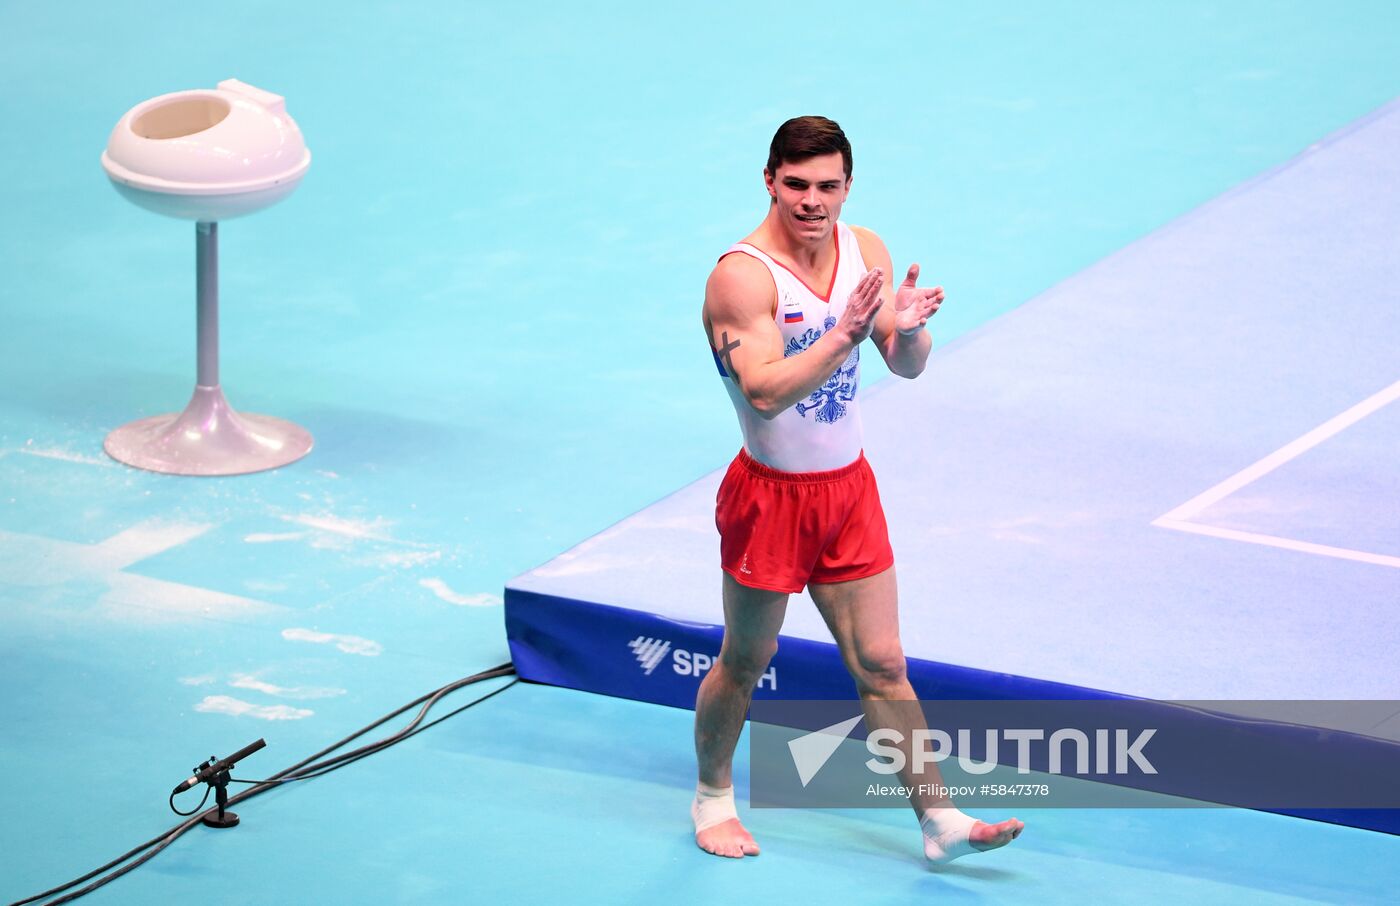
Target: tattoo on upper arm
(724, 352)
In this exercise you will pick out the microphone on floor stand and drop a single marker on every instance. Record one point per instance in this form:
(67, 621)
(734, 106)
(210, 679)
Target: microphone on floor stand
(215, 772)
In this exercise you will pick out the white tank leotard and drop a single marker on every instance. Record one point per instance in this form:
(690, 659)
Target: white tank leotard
(822, 431)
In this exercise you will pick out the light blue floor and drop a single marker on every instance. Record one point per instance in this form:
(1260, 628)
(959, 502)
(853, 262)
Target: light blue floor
(483, 302)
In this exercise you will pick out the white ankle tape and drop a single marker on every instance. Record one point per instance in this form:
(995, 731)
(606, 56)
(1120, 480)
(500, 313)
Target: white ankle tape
(713, 805)
(946, 833)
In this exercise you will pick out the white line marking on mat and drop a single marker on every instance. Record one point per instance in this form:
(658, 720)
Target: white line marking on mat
(1306, 547)
(1180, 517)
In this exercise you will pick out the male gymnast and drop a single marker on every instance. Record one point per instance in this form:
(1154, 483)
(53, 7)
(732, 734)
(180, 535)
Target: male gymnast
(786, 311)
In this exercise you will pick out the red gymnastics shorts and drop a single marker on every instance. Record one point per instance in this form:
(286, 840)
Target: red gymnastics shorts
(781, 530)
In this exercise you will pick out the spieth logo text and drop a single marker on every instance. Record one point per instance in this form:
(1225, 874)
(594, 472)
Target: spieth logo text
(650, 653)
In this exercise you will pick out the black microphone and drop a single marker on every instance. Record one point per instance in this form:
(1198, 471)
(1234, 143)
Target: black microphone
(212, 766)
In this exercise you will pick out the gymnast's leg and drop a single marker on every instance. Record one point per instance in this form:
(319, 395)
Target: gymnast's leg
(863, 617)
(752, 618)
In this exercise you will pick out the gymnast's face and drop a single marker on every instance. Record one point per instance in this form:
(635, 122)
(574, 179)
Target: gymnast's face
(808, 195)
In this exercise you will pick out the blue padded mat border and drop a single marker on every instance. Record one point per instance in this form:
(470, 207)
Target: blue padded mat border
(605, 649)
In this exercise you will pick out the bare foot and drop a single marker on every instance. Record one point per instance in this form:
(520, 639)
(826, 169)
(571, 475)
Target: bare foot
(980, 838)
(727, 839)
(986, 836)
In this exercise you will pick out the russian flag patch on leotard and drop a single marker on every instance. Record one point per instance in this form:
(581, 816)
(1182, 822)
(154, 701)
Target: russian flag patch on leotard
(792, 317)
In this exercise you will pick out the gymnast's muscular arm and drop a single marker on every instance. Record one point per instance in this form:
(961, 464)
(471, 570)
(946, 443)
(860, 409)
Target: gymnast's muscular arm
(739, 304)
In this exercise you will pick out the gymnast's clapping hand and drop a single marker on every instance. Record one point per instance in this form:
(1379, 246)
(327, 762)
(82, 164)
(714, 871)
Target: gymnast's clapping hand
(913, 306)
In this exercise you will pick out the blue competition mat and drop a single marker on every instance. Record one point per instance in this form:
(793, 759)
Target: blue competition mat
(1172, 476)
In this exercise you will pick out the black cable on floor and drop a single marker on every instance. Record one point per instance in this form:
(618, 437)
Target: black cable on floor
(306, 769)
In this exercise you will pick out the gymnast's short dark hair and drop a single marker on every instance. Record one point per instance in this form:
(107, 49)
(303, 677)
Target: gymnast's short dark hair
(805, 137)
